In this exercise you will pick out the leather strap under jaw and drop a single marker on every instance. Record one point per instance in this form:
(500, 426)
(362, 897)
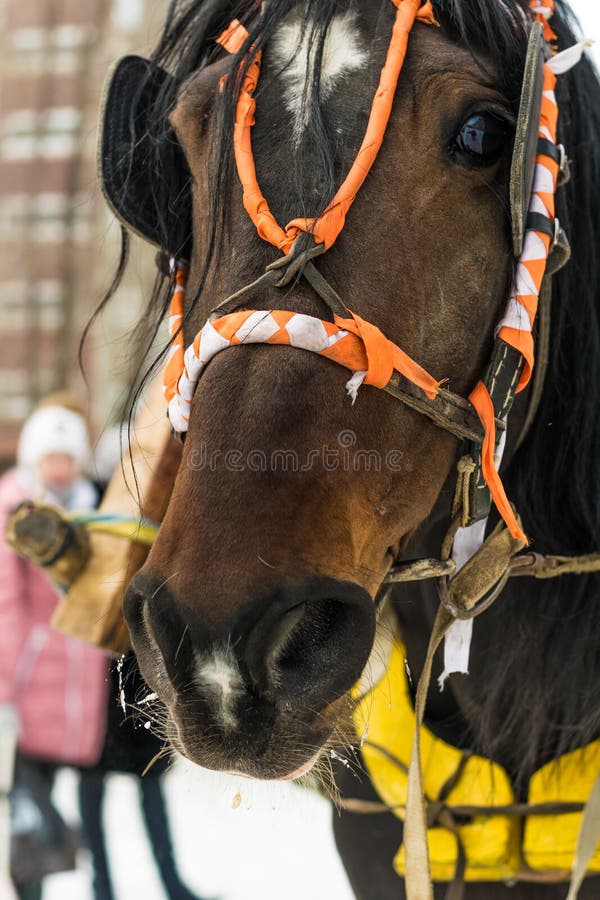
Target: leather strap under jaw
(448, 410)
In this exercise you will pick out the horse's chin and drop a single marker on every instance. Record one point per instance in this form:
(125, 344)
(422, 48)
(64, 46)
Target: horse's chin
(257, 771)
(277, 759)
(302, 770)
(297, 773)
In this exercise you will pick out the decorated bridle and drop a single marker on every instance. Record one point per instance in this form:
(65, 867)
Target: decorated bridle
(353, 342)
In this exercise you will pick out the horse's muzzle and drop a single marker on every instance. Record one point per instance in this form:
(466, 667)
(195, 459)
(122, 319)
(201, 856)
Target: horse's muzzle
(259, 691)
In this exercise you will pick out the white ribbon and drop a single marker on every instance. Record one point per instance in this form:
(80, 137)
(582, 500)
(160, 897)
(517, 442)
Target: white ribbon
(457, 641)
(569, 58)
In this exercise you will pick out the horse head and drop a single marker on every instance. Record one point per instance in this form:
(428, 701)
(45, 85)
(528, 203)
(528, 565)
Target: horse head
(255, 613)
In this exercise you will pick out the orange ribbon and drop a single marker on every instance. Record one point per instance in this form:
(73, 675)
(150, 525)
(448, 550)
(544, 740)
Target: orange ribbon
(482, 402)
(175, 359)
(327, 226)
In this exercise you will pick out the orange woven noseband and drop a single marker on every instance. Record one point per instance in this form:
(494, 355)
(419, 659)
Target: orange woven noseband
(352, 343)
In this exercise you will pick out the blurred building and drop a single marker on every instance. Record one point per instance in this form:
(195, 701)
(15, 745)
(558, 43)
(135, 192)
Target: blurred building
(58, 245)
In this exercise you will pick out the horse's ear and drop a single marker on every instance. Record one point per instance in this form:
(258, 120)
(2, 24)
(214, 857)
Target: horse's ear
(143, 172)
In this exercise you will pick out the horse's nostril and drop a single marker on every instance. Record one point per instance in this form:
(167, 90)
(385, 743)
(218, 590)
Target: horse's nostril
(159, 635)
(266, 641)
(133, 609)
(282, 634)
(317, 646)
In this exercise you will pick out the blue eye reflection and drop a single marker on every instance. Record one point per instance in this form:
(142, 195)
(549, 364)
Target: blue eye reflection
(482, 138)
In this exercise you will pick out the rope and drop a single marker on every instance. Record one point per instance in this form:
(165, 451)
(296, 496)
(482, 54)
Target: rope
(140, 530)
(465, 468)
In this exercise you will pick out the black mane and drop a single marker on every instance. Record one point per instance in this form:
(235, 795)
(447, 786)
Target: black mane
(540, 641)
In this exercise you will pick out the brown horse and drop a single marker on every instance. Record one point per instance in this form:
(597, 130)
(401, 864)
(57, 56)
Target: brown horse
(256, 611)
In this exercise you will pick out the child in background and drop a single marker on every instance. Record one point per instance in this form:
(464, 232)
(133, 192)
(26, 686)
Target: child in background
(55, 685)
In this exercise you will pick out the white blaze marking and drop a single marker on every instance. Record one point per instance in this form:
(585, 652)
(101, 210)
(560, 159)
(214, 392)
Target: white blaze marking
(218, 675)
(342, 53)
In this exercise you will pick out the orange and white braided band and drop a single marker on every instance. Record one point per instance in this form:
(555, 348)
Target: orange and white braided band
(352, 343)
(517, 325)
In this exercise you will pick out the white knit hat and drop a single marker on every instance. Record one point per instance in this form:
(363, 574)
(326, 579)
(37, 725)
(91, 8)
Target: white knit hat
(54, 429)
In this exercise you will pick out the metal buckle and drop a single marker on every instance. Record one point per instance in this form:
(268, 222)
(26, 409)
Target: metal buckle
(531, 562)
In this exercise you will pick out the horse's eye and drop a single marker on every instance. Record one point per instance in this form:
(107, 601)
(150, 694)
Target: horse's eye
(481, 139)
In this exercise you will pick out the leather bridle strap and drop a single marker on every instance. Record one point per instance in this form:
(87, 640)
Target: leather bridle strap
(511, 364)
(542, 346)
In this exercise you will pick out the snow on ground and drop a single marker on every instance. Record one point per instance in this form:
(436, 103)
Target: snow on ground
(276, 844)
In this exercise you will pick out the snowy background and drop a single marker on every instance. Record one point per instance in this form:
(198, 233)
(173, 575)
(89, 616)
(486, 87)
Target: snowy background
(276, 845)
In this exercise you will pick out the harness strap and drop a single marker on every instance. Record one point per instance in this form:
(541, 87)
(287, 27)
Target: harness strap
(418, 873)
(481, 400)
(417, 814)
(469, 603)
(373, 807)
(517, 324)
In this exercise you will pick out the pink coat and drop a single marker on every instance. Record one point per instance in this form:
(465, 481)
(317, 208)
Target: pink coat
(57, 684)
